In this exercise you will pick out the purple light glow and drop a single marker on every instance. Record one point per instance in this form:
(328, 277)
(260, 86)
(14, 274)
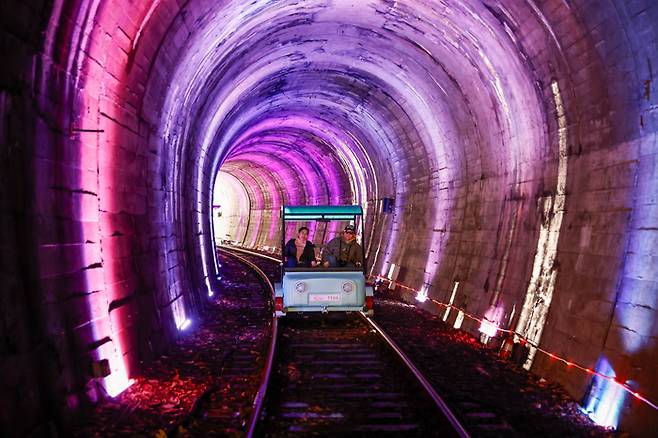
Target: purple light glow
(271, 198)
(469, 114)
(305, 165)
(354, 94)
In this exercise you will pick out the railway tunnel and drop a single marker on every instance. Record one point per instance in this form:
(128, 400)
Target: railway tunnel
(503, 151)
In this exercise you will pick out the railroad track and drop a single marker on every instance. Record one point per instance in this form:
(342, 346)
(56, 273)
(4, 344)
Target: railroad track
(478, 418)
(340, 374)
(225, 408)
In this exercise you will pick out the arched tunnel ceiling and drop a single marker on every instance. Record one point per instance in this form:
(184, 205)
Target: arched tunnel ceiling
(400, 75)
(419, 90)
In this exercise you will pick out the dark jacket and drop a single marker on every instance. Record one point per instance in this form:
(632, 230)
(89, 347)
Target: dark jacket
(344, 252)
(290, 253)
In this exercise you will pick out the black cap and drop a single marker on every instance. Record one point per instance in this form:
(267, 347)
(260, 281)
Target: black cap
(349, 228)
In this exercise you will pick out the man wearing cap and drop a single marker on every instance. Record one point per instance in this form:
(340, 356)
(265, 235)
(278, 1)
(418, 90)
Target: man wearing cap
(343, 251)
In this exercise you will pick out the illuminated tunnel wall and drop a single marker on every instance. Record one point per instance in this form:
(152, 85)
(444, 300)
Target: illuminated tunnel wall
(518, 139)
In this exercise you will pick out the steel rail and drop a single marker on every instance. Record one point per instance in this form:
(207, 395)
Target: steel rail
(427, 386)
(247, 251)
(259, 399)
(459, 428)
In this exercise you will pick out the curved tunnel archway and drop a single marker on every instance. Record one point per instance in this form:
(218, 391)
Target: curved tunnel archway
(518, 140)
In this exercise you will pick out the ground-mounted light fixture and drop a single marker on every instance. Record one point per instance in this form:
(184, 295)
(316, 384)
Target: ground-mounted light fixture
(101, 368)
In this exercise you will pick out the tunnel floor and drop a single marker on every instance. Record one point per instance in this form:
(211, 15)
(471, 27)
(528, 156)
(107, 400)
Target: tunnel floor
(491, 396)
(222, 355)
(212, 372)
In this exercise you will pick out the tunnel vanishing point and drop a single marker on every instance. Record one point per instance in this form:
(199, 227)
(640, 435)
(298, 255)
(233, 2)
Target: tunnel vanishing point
(513, 143)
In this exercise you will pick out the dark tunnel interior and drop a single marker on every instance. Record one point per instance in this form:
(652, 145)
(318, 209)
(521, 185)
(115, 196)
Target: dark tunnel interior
(504, 153)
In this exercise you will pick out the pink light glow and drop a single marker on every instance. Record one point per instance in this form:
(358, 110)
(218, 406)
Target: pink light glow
(105, 327)
(491, 321)
(102, 151)
(488, 328)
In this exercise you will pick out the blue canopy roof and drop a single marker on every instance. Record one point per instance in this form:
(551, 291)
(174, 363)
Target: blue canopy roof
(315, 212)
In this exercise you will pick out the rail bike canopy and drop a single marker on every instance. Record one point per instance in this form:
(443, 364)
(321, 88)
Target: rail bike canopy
(321, 212)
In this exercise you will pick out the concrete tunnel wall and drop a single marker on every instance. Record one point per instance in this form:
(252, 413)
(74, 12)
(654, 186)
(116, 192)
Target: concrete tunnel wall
(518, 139)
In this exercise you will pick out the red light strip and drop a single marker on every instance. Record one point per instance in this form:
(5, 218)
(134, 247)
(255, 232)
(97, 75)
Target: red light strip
(568, 363)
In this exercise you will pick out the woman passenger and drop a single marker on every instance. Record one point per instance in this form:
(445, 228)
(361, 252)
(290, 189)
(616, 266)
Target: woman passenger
(299, 252)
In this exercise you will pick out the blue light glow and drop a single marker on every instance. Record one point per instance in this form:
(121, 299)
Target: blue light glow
(605, 398)
(184, 325)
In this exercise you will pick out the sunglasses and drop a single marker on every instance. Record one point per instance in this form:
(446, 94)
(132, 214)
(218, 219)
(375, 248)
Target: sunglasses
(348, 232)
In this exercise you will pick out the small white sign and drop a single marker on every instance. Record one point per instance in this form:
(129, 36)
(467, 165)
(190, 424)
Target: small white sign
(324, 298)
